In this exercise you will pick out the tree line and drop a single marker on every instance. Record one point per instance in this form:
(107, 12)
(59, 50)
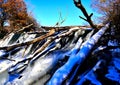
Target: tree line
(13, 13)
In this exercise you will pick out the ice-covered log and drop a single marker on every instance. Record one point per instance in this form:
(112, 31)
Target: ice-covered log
(62, 73)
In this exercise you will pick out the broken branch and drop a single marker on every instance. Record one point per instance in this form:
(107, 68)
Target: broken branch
(79, 5)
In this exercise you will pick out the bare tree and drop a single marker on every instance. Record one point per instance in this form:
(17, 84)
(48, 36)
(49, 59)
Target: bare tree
(110, 9)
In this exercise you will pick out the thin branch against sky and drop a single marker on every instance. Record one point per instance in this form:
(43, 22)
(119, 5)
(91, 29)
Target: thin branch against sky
(47, 11)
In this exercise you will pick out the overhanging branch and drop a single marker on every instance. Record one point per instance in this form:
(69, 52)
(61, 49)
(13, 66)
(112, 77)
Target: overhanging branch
(79, 5)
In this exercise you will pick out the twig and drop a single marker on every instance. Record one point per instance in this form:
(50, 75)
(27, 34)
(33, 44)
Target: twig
(60, 22)
(26, 27)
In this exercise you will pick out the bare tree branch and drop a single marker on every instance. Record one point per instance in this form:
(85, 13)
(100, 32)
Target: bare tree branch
(79, 5)
(26, 27)
(61, 20)
(83, 18)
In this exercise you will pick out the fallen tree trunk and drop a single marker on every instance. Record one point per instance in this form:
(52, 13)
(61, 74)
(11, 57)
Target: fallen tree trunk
(62, 73)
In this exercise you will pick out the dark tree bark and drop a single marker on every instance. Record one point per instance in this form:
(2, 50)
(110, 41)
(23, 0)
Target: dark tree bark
(79, 5)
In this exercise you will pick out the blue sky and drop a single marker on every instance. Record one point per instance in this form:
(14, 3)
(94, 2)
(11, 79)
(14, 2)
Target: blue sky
(47, 12)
